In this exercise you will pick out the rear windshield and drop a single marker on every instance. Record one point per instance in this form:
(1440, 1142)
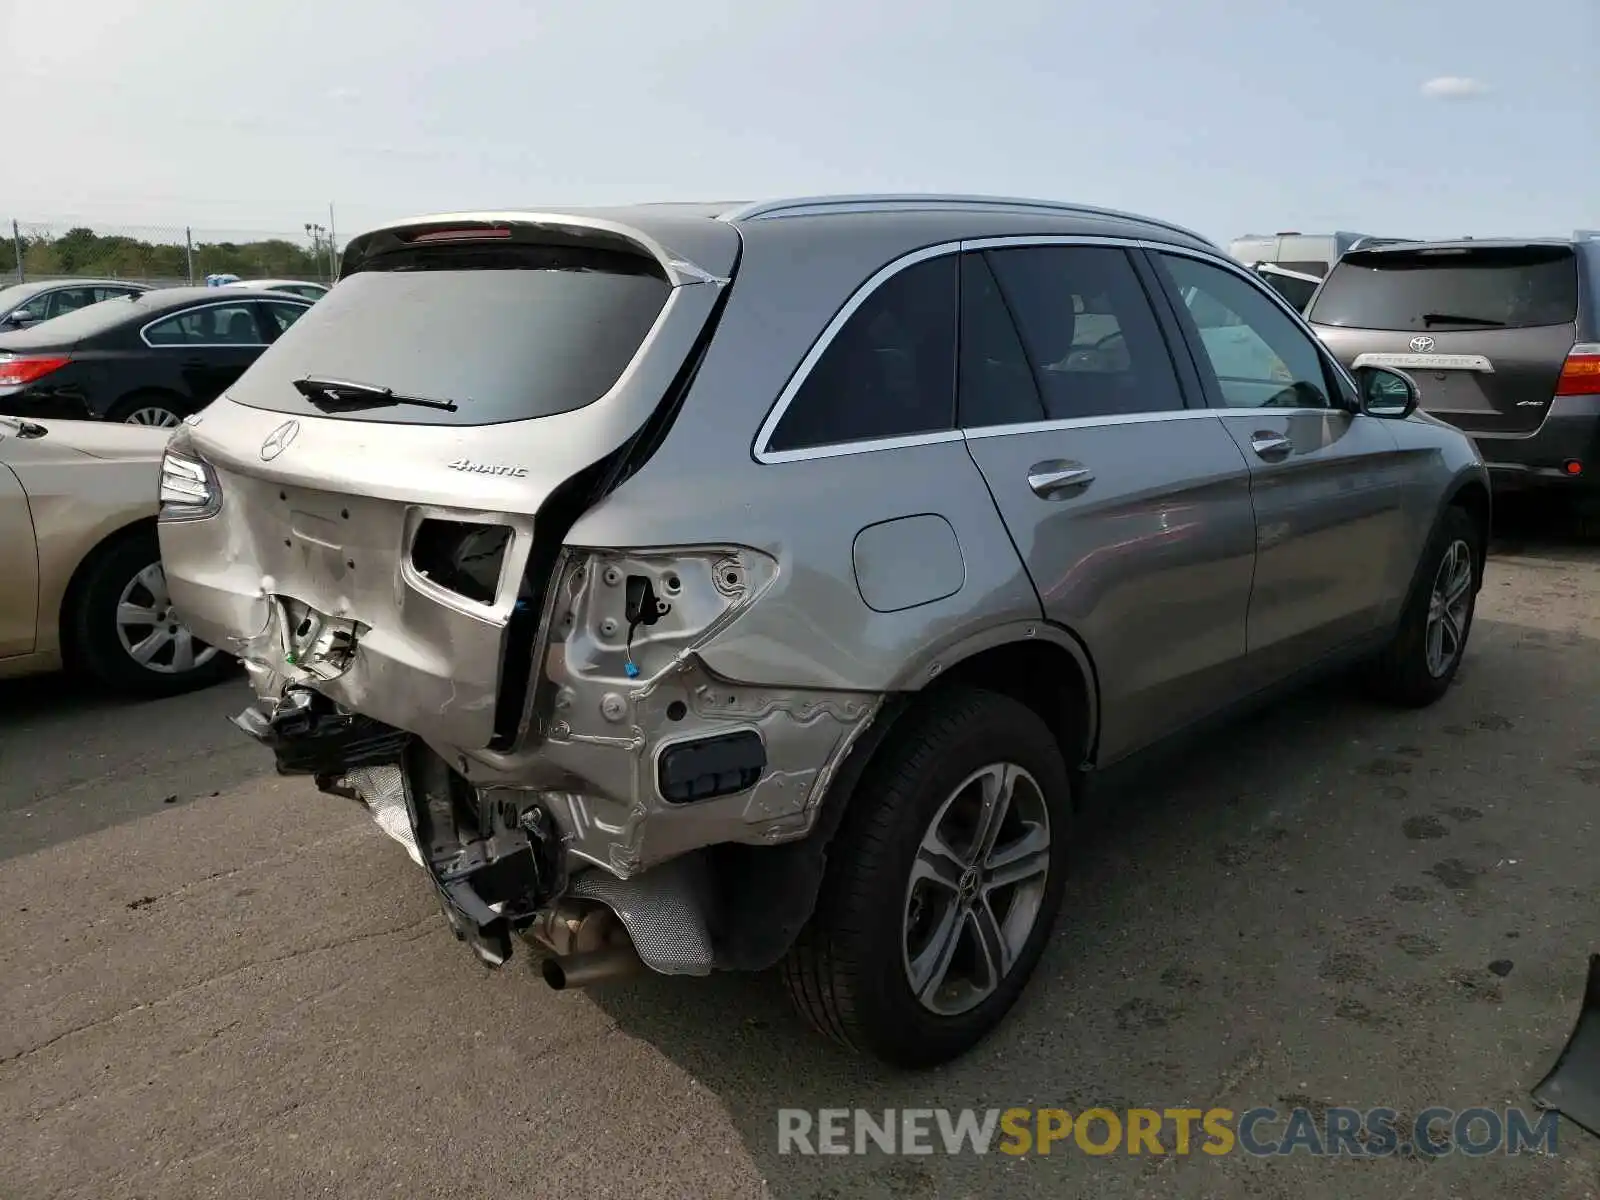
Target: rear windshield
(1295, 291)
(506, 333)
(1513, 287)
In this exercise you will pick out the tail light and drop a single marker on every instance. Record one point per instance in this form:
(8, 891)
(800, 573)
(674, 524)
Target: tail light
(472, 233)
(1580, 376)
(189, 489)
(16, 370)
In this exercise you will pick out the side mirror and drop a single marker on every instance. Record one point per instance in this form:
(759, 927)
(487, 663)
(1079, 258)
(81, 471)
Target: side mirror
(1387, 393)
(17, 320)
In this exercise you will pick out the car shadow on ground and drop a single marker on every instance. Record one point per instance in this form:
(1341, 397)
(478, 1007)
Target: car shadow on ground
(1533, 527)
(1309, 896)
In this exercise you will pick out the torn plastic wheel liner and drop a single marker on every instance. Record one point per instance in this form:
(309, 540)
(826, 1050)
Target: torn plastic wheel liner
(1572, 1086)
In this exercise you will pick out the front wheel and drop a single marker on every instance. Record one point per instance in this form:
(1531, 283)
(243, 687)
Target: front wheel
(122, 629)
(1418, 666)
(942, 884)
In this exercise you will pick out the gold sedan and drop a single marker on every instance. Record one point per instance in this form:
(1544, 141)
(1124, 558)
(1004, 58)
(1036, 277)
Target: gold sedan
(81, 584)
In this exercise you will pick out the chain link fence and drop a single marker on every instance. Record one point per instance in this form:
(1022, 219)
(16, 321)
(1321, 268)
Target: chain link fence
(161, 255)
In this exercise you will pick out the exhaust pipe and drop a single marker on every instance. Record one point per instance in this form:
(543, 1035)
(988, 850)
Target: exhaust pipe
(580, 970)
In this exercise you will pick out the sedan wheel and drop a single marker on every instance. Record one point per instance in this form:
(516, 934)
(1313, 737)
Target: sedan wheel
(122, 628)
(150, 631)
(153, 414)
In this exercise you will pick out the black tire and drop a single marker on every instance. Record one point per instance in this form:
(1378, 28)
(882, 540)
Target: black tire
(1401, 673)
(847, 971)
(124, 410)
(91, 630)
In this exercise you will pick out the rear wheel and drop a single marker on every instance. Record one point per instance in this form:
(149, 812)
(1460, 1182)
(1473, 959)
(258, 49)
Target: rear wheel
(122, 629)
(1419, 665)
(942, 883)
(148, 408)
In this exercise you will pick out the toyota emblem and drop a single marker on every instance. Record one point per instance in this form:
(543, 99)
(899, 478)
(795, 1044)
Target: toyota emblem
(1422, 344)
(278, 440)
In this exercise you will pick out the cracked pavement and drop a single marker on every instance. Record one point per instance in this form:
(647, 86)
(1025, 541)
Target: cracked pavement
(247, 990)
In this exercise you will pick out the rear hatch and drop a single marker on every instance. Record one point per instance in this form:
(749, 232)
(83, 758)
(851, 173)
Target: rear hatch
(401, 466)
(1485, 329)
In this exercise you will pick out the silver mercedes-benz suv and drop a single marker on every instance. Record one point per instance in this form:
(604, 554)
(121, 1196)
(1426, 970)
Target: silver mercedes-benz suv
(719, 586)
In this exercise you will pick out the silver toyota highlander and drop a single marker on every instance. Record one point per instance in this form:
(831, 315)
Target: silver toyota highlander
(709, 587)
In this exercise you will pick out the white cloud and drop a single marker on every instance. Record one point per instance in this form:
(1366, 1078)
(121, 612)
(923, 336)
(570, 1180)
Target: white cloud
(1453, 87)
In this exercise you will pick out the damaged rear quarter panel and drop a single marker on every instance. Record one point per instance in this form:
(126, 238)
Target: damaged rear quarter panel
(598, 729)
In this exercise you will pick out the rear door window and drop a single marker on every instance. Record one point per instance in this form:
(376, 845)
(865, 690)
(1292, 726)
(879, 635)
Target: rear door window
(65, 300)
(213, 325)
(1432, 289)
(280, 316)
(1090, 336)
(997, 384)
(507, 332)
(890, 371)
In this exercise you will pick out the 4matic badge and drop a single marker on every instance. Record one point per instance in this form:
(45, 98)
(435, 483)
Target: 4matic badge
(478, 468)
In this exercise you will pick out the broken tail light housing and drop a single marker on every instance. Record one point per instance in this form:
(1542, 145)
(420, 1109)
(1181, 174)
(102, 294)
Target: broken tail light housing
(19, 370)
(189, 487)
(1580, 374)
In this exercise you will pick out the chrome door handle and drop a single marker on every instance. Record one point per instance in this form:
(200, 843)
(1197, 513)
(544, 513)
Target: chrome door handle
(1270, 445)
(1050, 479)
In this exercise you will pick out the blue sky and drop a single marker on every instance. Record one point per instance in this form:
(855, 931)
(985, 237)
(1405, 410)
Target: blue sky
(1231, 118)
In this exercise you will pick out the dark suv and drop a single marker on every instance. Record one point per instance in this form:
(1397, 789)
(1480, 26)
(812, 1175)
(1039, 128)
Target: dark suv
(1503, 336)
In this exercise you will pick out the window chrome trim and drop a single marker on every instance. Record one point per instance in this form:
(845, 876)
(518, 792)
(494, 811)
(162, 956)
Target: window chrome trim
(184, 312)
(883, 275)
(862, 294)
(760, 447)
(1142, 418)
(866, 446)
(1274, 410)
(1272, 293)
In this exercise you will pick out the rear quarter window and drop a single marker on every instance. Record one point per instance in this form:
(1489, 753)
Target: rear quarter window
(1452, 288)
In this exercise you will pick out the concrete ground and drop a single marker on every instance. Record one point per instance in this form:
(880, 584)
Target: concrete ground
(216, 982)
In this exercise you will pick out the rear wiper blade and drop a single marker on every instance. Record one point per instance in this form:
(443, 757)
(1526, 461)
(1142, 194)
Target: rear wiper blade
(341, 393)
(25, 429)
(1460, 319)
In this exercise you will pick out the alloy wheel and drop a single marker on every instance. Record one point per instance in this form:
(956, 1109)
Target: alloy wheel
(1447, 608)
(976, 888)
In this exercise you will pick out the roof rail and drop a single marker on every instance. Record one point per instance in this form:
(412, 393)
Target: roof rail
(807, 206)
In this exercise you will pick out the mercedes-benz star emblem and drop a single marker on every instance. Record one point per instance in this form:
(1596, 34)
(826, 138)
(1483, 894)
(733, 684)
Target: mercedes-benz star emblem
(278, 440)
(1422, 344)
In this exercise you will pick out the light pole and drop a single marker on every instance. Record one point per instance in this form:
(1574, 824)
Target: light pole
(320, 239)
